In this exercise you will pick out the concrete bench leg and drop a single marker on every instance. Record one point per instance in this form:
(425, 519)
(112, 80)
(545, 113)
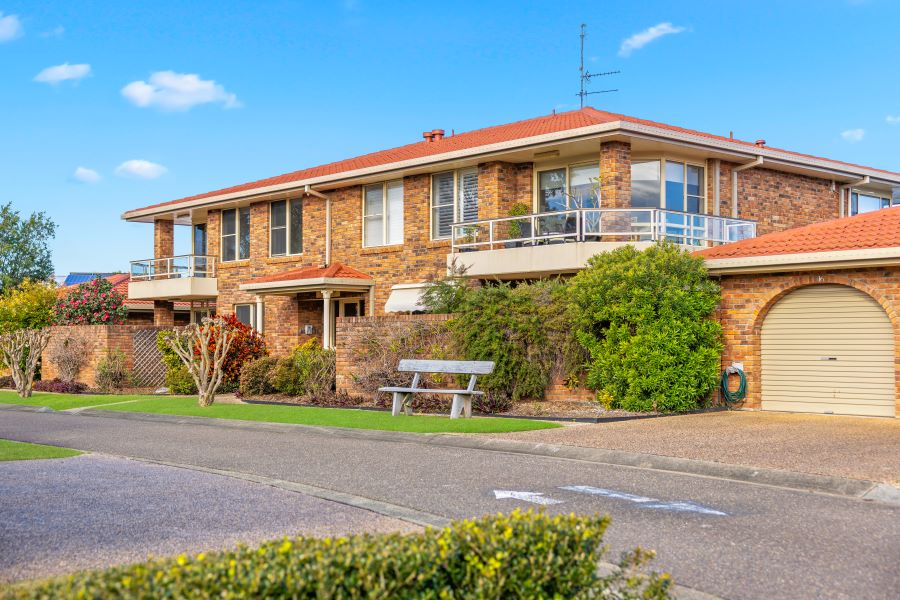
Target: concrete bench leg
(399, 400)
(462, 405)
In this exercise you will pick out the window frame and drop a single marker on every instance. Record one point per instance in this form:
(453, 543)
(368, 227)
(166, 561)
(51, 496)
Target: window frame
(887, 200)
(238, 233)
(288, 228)
(568, 166)
(385, 215)
(252, 307)
(457, 200)
(704, 181)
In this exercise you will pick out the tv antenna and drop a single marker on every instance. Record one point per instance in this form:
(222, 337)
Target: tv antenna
(586, 76)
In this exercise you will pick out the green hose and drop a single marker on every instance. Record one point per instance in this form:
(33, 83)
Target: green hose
(740, 393)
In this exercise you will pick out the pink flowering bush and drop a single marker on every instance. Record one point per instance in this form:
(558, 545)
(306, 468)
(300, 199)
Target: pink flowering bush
(91, 303)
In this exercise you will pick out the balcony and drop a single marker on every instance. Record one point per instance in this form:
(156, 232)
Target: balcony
(563, 241)
(186, 277)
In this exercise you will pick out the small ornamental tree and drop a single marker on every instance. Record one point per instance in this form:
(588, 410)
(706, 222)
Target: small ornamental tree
(645, 318)
(21, 350)
(28, 306)
(203, 349)
(91, 303)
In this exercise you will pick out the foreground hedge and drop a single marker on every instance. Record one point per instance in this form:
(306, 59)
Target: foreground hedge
(523, 555)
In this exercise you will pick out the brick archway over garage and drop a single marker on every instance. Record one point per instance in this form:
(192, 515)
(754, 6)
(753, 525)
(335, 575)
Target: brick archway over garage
(748, 298)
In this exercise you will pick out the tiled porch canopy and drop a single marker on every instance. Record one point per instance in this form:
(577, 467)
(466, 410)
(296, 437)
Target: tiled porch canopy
(322, 280)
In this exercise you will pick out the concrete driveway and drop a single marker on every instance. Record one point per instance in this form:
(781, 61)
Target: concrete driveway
(855, 447)
(92, 511)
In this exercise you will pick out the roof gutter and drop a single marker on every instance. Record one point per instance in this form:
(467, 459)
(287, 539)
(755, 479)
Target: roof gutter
(734, 182)
(845, 209)
(805, 261)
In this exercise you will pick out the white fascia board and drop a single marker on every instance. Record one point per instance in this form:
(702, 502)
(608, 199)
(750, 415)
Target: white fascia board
(752, 152)
(316, 282)
(805, 261)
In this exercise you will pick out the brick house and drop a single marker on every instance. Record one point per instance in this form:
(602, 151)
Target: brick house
(290, 253)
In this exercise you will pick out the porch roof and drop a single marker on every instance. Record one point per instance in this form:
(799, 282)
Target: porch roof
(310, 279)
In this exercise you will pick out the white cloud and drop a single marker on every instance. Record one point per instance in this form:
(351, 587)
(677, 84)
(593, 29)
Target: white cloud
(63, 72)
(168, 90)
(853, 135)
(85, 175)
(142, 169)
(893, 119)
(10, 28)
(642, 38)
(55, 32)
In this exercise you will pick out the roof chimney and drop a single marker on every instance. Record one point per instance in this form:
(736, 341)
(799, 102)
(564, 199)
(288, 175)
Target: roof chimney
(760, 143)
(429, 136)
(437, 134)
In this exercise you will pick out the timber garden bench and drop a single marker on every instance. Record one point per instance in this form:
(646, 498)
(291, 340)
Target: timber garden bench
(462, 399)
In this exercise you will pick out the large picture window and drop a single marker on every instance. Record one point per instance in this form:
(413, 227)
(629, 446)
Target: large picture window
(567, 188)
(236, 234)
(286, 227)
(862, 202)
(668, 184)
(383, 214)
(454, 199)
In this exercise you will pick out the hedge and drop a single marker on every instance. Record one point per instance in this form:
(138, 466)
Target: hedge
(522, 555)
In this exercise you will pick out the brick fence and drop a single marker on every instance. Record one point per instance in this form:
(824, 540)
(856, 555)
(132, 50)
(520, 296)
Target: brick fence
(99, 341)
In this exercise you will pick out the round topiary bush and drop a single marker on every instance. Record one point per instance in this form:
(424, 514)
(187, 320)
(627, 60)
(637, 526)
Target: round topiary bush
(645, 318)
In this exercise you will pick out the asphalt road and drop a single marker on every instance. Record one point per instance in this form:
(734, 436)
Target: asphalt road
(91, 511)
(732, 539)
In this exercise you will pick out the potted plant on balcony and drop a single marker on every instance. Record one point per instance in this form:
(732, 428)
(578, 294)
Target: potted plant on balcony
(518, 228)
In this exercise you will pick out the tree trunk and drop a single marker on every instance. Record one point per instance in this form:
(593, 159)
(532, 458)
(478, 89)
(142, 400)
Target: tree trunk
(207, 397)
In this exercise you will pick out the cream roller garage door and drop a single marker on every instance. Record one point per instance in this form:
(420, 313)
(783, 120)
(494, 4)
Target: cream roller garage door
(828, 349)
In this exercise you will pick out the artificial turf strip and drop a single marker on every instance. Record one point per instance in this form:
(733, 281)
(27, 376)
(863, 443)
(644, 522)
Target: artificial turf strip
(329, 417)
(63, 401)
(10, 450)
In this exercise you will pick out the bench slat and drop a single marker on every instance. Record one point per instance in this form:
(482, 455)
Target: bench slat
(430, 391)
(462, 367)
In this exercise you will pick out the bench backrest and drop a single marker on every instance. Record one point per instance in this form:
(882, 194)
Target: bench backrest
(461, 367)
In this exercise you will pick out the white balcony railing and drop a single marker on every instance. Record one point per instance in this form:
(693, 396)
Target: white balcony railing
(600, 225)
(173, 267)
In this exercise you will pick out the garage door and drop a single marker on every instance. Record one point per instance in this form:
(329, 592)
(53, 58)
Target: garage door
(828, 349)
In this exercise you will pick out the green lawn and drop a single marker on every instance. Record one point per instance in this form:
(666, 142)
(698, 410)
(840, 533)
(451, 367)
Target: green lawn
(10, 450)
(329, 417)
(62, 401)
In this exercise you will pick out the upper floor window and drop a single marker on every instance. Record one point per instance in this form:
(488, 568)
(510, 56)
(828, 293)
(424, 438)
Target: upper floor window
(567, 188)
(383, 213)
(454, 199)
(862, 202)
(286, 227)
(236, 233)
(668, 184)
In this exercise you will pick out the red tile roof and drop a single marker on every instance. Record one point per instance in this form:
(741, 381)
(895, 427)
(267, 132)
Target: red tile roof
(473, 139)
(878, 229)
(334, 271)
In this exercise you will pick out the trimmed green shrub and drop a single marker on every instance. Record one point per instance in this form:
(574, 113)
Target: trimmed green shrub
(522, 328)
(523, 555)
(112, 372)
(645, 318)
(308, 371)
(256, 377)
(179, 381)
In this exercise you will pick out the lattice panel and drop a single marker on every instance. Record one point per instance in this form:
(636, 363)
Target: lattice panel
(149, 370)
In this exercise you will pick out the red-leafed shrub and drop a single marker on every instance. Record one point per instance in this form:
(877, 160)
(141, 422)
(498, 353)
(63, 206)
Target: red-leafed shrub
(59, 386)
(91, 303)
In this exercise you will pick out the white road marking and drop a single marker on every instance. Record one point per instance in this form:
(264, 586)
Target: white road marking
(533, 497)
(644, 501)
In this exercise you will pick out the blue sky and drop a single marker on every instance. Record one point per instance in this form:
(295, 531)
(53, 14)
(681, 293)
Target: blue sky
(158, 100)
